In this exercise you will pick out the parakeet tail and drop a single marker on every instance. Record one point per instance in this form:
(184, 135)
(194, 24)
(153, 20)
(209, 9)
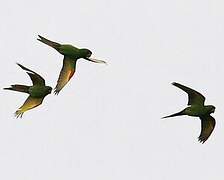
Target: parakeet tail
(19, 113)
(176, 114)
(55, 45)
(20, 88)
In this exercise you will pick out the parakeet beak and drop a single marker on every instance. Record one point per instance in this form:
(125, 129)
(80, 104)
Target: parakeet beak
(95, 60)
(50, 90)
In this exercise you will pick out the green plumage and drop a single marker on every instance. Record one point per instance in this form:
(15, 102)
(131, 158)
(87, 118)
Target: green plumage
(71, 55)
(197, 108)
(37, 91)
(70, 51)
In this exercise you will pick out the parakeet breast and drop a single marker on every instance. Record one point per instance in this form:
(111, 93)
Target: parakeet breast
(196, 110)
(39, 91)
(70, 51)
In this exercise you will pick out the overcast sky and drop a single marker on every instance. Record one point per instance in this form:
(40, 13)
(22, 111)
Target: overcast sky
(106, 123)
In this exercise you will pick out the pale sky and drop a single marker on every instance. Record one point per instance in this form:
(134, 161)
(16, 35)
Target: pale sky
(106, 123)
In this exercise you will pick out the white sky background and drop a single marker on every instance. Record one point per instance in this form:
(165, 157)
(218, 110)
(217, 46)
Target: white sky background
(105, 124)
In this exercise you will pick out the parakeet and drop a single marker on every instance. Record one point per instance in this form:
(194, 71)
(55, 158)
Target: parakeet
(37, 91)
(198, 109)
(71, 55)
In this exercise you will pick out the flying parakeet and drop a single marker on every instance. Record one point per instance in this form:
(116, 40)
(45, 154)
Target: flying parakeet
(198, 109)
(37, 91)
(71, 55)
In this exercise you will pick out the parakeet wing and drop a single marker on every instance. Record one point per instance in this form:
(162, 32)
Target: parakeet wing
(30, 103)
(36, 78)
(207, 126)
(66, 73)
(194, 97)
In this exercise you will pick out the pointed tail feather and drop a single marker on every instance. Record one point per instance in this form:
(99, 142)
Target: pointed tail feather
(20, 88)
(53, 44)
(19, 114)
(175, 114)
(97, 60)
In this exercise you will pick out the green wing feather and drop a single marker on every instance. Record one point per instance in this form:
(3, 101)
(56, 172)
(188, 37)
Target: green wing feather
(36, 78)
(207, 126)
(66, 73)
(194, 97)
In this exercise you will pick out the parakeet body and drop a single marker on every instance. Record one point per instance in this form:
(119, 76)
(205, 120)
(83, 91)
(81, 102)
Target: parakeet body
(70, 51)
(198, 111)
(197, 108)
(71, 55)
(37, 92)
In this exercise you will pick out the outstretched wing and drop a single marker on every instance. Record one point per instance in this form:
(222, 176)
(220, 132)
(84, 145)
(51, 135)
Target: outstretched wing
(36, 78)
(30, 103)
(207, 126)
(194, 97)
(66, 73)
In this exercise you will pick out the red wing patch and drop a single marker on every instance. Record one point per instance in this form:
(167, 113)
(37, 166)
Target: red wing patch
(71, 73)
(67, 71)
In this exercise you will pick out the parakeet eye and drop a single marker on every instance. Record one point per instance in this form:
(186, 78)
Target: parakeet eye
(89, 54)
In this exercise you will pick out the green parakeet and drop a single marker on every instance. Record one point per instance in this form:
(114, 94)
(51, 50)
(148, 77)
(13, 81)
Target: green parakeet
(198, 109)
(37, 91)
(71, 55)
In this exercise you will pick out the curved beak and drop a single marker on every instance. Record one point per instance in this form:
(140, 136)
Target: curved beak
(50, 90)
(95, 60)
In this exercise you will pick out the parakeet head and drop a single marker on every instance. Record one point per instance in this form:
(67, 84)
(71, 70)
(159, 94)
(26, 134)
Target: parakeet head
(85, 53)
(211, 108)
(48, 89)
